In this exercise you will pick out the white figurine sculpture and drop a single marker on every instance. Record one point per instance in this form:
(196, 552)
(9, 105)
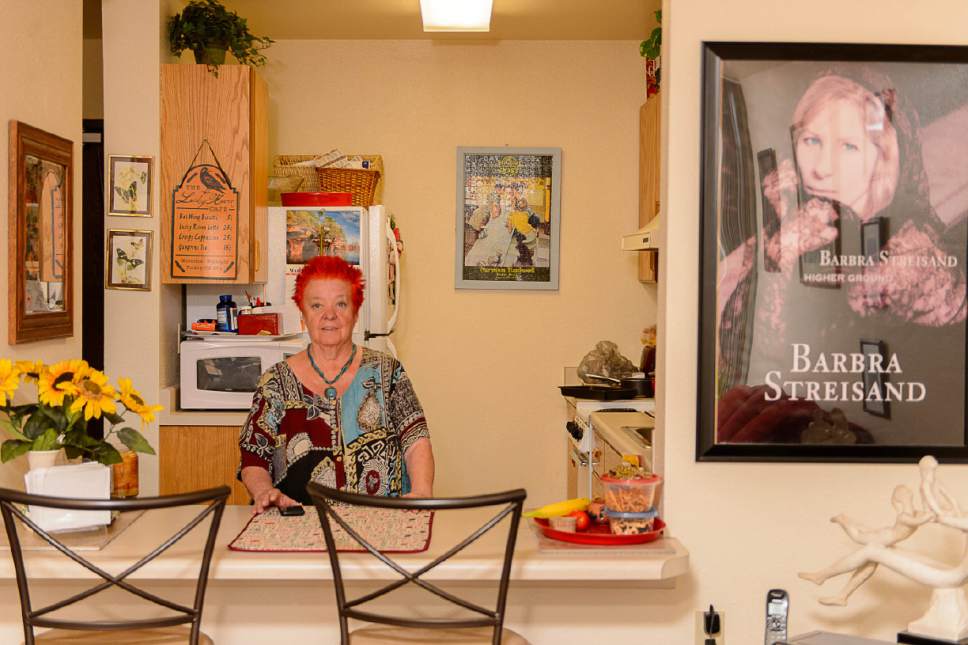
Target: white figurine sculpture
(947, 617)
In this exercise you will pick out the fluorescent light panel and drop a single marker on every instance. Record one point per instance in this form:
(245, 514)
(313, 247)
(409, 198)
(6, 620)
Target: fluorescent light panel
(456, 15)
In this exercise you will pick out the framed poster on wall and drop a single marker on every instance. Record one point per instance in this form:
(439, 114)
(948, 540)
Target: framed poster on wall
(508, 218)
(834, 229)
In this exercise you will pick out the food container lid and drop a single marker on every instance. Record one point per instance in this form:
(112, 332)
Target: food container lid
(621, 515)
(634, 481)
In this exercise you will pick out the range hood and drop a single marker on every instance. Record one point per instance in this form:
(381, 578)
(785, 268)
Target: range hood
(644, 239)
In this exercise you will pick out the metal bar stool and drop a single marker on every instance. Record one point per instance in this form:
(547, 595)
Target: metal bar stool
(484, 626)
(154, 631)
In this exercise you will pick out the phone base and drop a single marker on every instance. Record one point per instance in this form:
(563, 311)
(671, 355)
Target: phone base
(915, 639)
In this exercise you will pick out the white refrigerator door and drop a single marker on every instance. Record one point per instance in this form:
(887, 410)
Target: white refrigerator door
(383, 307)
(371, 256)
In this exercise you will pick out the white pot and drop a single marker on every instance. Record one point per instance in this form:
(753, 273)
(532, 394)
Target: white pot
(41, 458)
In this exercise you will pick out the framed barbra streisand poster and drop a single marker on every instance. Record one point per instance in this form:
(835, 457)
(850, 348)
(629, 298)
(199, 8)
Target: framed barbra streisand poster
(834, 227)
(508, 218)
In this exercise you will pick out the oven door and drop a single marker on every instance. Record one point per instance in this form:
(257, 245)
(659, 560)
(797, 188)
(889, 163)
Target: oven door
(580, 473)
(608, 459)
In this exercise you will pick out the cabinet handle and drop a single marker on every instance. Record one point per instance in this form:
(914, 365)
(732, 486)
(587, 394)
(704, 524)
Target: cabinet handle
(255, 261)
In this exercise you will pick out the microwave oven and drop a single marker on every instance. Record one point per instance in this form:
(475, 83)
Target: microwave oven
(223, 374)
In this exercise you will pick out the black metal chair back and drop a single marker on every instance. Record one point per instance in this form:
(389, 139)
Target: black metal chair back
(512, 502)
(9, 499)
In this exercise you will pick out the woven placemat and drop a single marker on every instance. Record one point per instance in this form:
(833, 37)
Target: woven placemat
(389, 530)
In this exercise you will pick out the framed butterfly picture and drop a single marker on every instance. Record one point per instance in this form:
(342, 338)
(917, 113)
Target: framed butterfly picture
(128, 265)
(129, 190)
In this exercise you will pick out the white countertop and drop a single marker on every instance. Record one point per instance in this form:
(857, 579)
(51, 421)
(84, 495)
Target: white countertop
(661, 560)
(617, 429)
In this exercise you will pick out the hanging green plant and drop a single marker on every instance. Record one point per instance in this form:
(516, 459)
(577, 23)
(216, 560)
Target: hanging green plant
(208, 29)
(651, 50)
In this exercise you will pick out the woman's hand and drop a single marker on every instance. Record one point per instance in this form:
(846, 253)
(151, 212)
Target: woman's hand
(779, 188)
(811, 228)
(272, 497)
(263, 493)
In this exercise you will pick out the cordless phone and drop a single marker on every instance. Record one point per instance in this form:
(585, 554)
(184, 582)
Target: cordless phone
(777, 608)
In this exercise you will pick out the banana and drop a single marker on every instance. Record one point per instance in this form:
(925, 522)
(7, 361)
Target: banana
(559, 508)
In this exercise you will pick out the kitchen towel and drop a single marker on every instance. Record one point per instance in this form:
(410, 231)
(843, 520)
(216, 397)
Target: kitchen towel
(388, 530)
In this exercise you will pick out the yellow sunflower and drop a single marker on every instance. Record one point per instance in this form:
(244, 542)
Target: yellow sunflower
(94, 395)
(30, 370)
(9, 380)
(60, 380)
(132, 400)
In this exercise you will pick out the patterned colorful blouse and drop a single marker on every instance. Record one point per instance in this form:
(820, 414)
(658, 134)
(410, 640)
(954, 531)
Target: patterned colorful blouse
(354, 443)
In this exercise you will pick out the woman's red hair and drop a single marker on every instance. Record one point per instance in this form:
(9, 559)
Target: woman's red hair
(328, 267)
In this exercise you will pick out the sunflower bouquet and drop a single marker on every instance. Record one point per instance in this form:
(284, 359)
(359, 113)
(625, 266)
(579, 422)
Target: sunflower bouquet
(69, 394)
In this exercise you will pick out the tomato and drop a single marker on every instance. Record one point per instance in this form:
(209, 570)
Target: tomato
(582, 521)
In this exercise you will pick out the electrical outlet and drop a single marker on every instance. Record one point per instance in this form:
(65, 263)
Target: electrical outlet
(719, 639)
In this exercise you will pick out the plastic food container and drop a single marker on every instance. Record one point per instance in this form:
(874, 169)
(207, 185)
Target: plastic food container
(630, 523)
(635, 495)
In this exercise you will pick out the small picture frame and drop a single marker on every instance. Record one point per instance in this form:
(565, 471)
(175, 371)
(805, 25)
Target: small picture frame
(874, 379)
(128, 262)
(129, 185)
(872, 236)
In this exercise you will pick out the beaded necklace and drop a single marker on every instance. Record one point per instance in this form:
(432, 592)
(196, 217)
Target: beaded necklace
(330, 391)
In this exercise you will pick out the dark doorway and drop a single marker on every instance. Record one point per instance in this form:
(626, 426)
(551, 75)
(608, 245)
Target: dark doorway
(92, 245)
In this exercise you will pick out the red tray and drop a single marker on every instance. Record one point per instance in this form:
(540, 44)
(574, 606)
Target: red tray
(600, 534)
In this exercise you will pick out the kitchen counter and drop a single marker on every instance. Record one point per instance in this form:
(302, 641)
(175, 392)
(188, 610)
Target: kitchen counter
(662, 560)
(250, 593)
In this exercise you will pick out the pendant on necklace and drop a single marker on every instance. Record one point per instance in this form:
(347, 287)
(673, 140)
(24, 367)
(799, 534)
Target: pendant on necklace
(330, 393)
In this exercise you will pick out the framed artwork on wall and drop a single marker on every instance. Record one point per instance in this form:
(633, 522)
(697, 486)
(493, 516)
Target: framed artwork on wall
(833, 165)
(129, 185)
(128, 260)
(508, 218)
(40, 250)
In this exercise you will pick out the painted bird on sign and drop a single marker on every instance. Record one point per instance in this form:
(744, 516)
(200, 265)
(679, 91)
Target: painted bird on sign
(210, 181)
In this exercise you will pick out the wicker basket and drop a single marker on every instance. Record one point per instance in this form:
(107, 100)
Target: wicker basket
(285, 166)
(358, 181)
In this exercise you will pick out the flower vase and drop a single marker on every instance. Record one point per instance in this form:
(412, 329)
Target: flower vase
(41, 458)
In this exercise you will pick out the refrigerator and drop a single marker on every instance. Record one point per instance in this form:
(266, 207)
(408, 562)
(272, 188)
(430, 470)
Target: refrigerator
(362, 236)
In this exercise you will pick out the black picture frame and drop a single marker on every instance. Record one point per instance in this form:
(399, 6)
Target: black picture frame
(731, 186)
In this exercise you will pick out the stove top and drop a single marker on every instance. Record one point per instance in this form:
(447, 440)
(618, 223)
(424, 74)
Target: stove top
(581, 433)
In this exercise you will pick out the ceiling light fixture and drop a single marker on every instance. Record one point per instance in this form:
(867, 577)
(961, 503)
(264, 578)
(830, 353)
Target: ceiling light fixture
(456, 15)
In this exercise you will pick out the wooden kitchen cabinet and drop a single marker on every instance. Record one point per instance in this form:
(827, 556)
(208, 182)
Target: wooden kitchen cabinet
(198, 457)
(214, 175)
(649, 164)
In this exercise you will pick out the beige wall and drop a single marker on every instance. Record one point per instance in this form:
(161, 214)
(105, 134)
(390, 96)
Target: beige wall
(486, 364)
(751, 526)
(40, 45)
(134, 46)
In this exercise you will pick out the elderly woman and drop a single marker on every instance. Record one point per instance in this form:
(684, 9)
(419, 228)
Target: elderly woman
(338, 414)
